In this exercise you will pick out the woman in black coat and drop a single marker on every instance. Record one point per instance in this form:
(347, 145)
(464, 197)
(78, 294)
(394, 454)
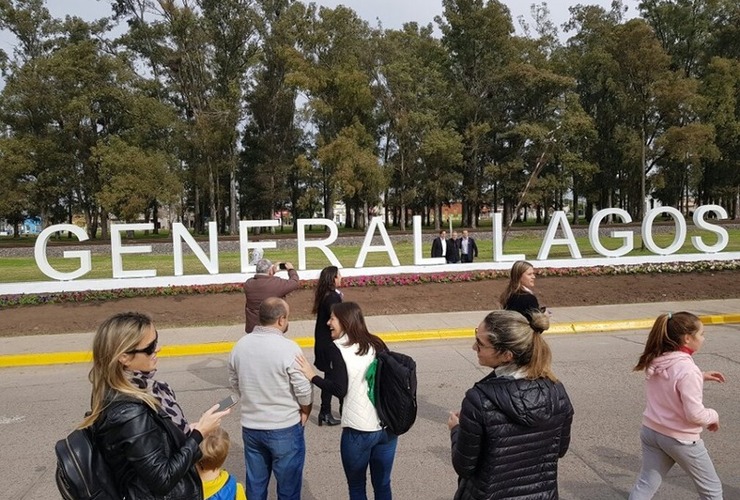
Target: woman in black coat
(519, 294)
(327, 294)
(136, 422)
(514, 424)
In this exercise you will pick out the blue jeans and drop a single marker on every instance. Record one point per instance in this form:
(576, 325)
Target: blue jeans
(360, 449)
(280, 450)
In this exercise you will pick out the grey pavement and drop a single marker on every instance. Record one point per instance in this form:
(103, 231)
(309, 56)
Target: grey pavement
(41, 404)
(442, 324)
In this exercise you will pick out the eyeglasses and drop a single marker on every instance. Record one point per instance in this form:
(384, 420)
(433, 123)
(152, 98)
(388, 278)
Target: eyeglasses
(148, 350)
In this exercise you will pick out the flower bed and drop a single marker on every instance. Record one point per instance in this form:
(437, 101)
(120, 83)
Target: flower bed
(365, 281)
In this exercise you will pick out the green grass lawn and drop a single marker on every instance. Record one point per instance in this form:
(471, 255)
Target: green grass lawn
(22, 269)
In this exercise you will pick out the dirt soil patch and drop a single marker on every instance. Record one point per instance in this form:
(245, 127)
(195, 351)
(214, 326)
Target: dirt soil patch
(228, 309)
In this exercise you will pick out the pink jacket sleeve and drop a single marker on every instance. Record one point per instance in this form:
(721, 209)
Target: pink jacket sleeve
(690, 388)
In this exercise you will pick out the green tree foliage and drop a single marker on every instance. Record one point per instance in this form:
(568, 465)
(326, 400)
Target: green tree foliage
(234, 109)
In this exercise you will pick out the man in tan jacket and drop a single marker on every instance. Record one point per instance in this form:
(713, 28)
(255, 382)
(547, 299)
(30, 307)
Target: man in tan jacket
(265, 284)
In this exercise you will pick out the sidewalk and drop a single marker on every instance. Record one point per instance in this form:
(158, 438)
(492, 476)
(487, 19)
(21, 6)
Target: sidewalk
(74, 348)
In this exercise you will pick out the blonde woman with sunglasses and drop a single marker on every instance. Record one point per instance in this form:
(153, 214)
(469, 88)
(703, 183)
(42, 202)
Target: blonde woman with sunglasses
(136, 421)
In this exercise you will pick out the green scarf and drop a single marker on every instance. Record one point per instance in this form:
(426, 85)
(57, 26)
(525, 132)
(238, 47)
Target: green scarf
(370, 377)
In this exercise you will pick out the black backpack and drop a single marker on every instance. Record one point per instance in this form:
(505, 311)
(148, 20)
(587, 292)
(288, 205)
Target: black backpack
(82, 473)
(395, 391)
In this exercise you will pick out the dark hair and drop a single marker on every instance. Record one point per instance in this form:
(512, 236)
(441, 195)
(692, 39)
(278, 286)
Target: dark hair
(522, 337)
(353, 324)
(324, 286)
(666, 335)
(272, 309)
(515, 275)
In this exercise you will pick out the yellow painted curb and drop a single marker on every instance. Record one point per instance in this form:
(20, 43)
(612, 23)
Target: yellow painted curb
(179, 350)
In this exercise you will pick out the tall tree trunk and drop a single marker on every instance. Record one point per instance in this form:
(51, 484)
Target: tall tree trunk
(232, 199)
(212, 192)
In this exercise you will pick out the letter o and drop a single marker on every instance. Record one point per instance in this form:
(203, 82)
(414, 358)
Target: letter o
(647, 231)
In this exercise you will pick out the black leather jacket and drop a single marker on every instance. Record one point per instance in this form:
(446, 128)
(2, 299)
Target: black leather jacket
(511, 434)
(150, 456)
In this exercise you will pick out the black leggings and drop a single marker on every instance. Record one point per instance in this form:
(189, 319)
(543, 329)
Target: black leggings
(327, 395)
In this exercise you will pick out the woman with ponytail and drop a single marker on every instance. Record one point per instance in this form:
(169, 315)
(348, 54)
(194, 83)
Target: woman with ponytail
(514, 424)
(327, 294)
(675, 415)
(136, 421)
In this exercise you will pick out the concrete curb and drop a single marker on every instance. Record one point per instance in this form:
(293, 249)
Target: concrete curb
(179, 350)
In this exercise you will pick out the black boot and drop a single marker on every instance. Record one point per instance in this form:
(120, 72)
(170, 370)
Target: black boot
(328, 419)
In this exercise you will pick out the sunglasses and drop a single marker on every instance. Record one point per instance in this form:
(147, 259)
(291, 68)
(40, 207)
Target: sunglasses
(148, 350)
(480, 345)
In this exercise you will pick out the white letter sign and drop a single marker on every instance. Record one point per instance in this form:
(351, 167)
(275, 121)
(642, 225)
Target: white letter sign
(39, 253)
(117, 249)
(627, 236)
(322, 245)
(367, 246)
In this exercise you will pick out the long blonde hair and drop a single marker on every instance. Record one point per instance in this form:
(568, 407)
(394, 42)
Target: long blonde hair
(510, 331)
(116, 336)
(515, 276)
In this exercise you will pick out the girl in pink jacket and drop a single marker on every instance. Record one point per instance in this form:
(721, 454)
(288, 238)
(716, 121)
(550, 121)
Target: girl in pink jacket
(675, 415)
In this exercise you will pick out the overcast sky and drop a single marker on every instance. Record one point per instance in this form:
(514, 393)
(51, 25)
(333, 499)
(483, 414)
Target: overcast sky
(391, 13)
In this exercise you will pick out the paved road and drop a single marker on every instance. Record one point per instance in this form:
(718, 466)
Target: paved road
(39, 405)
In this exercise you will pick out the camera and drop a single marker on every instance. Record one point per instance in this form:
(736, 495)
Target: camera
(282, 266)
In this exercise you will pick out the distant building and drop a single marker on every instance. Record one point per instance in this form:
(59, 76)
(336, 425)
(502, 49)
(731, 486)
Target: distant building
(32, 225)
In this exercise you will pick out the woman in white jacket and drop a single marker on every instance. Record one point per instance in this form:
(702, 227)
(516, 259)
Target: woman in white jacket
(364, 441)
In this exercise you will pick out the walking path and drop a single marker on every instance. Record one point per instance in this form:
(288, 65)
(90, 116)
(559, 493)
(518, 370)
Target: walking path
(74, 348)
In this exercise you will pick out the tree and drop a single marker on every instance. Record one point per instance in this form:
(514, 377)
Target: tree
(477, 37)
(270, 174)
(134, 179)
(414, 97)
(336, 75)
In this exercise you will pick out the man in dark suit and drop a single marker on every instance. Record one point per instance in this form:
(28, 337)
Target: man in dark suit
(453, 249)
(468, 248)
(439, 245)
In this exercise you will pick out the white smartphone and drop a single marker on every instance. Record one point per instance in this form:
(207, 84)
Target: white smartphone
(227, 403)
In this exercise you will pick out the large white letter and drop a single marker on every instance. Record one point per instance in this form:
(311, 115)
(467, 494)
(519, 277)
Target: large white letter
(647, 231)
(418, 259)
(558, 218)
(244, 244)
(116, 249)
(722, 237)
(387, 246)
(498, 238)
(180, 234)
(39, 253)
(322, 245)
(627, 236)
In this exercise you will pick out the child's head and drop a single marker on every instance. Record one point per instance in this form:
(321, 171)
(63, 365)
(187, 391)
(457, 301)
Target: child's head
(668, 334)
(215, 448)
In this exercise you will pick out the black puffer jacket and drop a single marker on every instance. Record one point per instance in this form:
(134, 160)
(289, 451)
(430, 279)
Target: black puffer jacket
(150, 456)
(511, 434)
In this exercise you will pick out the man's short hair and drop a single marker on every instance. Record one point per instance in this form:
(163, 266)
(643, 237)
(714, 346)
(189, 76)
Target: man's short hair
(263, 266)
(272, 309)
